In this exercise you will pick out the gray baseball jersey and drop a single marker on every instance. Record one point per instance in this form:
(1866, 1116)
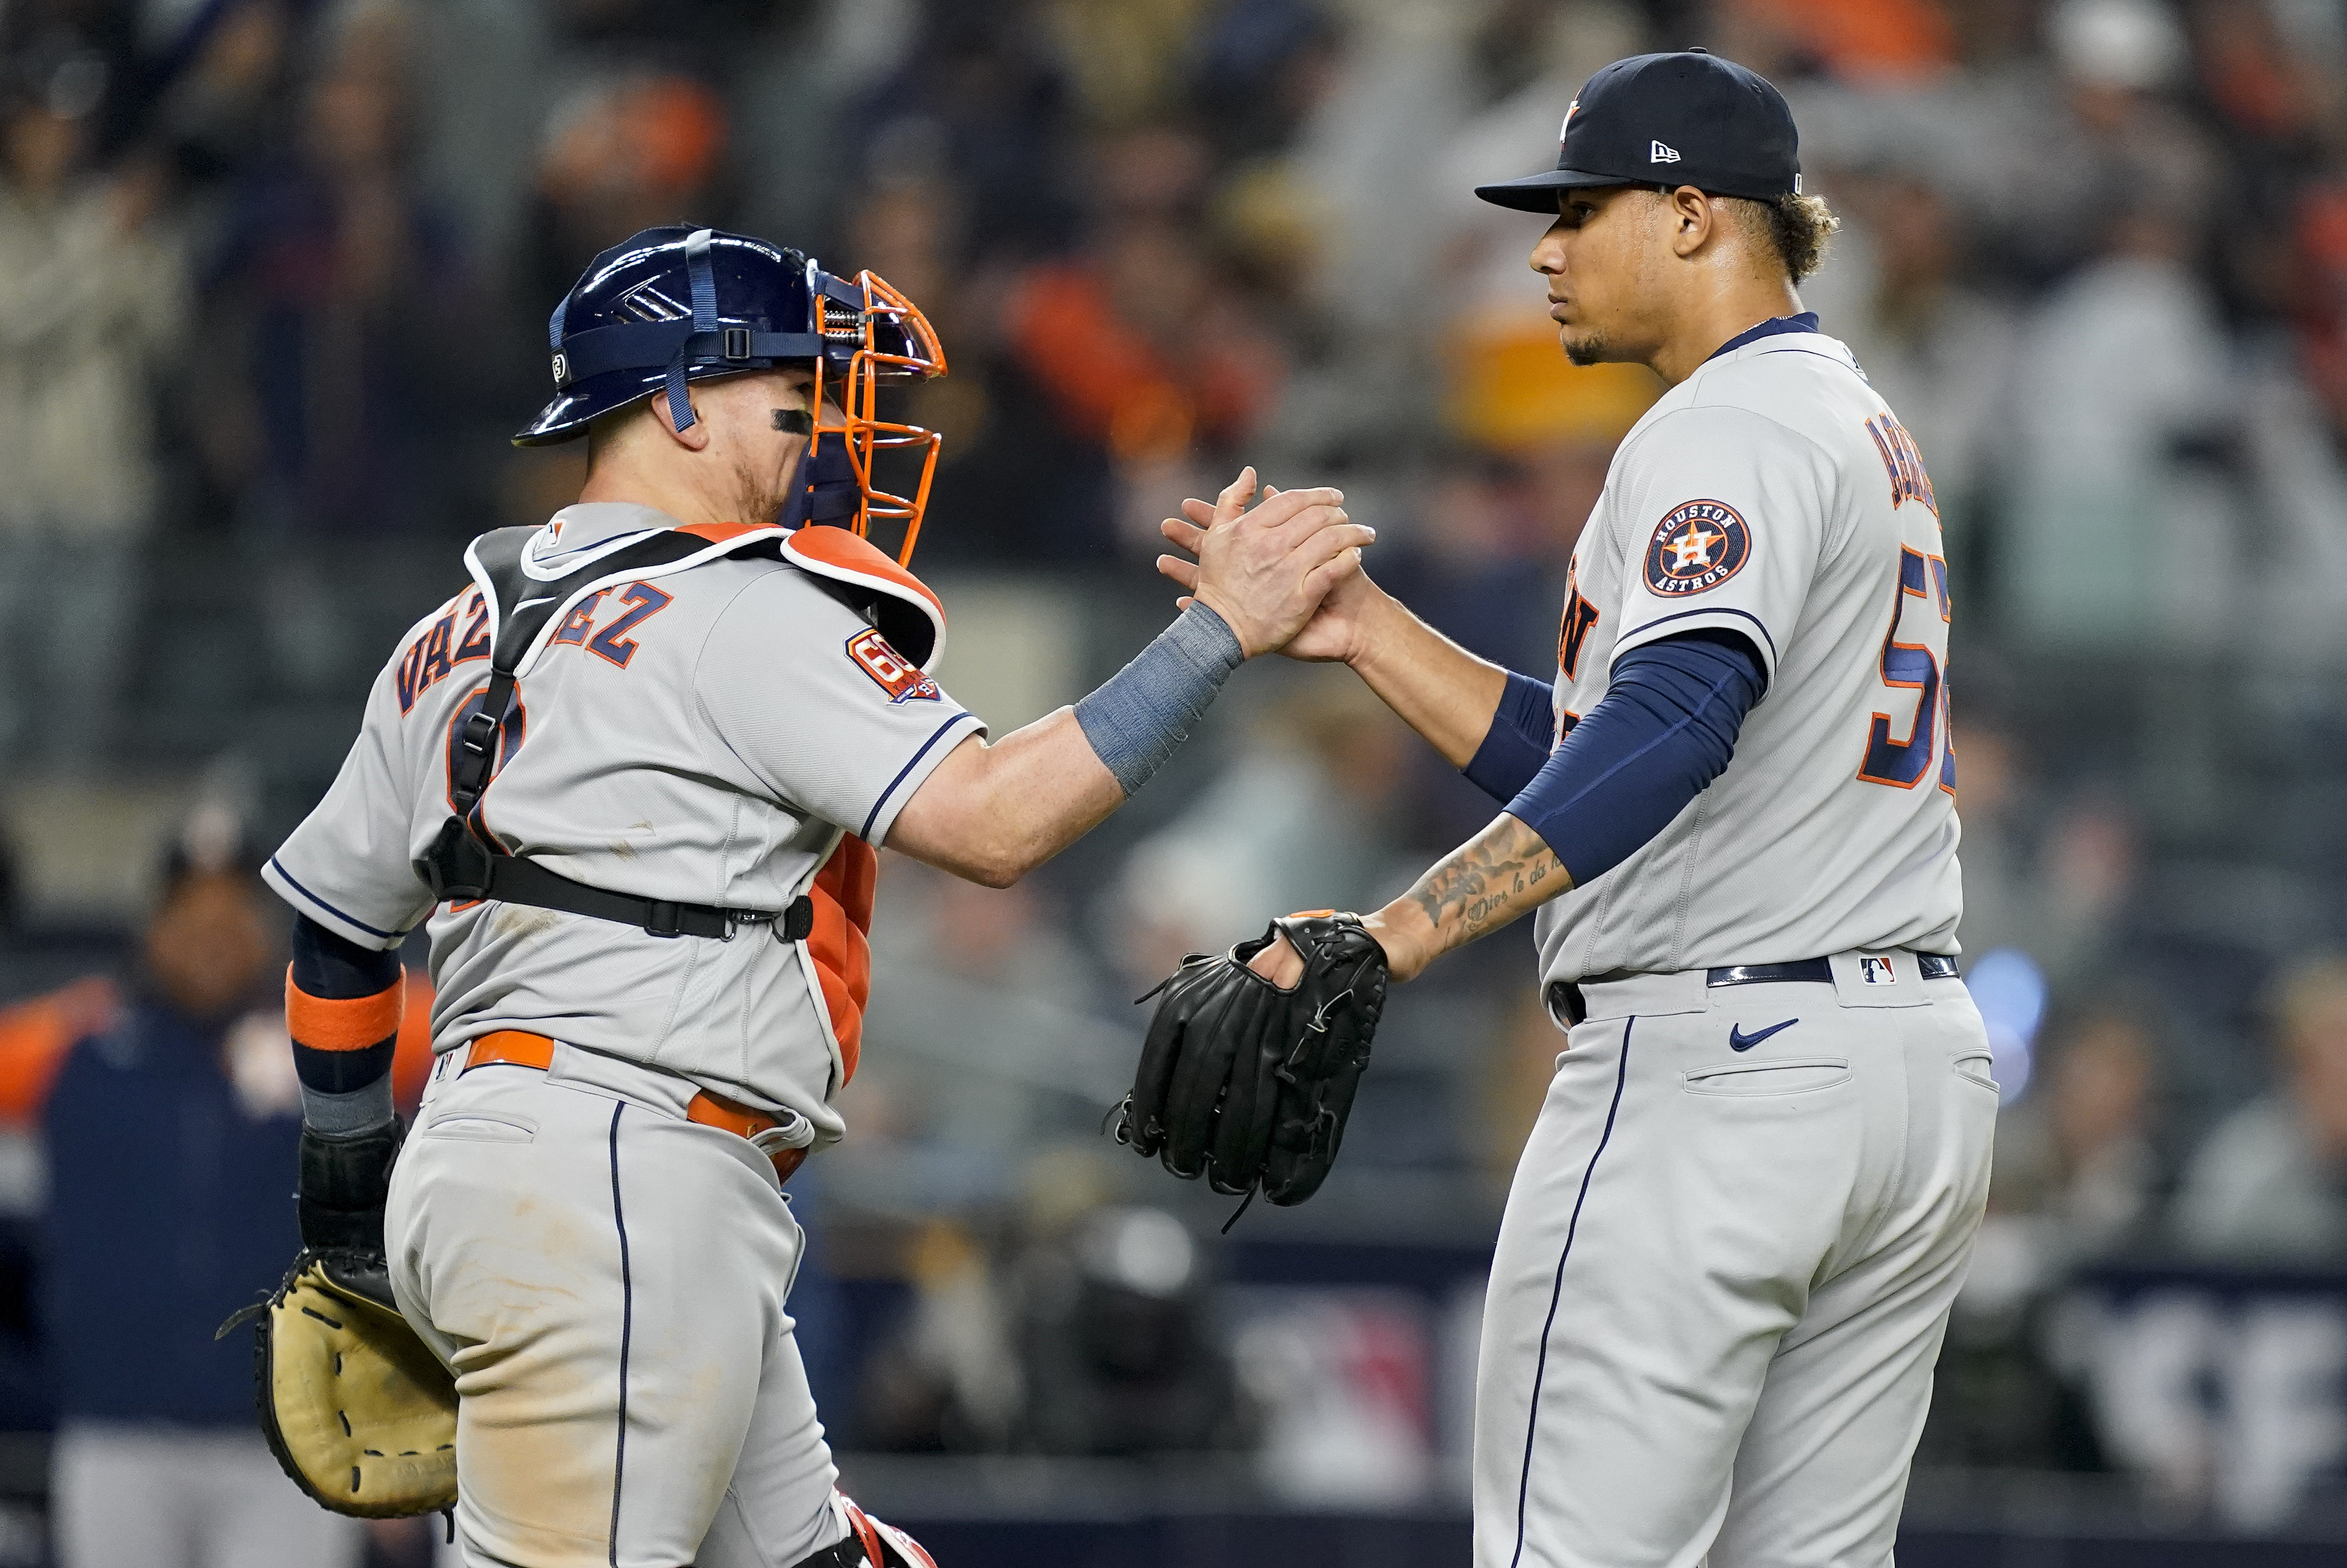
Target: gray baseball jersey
(1774, 494)
(712, 734)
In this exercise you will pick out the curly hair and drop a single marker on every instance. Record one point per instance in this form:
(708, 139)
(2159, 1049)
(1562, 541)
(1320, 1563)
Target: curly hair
(1796, 228)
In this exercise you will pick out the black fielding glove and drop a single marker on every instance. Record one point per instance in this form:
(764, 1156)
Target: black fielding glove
(1249, 1085)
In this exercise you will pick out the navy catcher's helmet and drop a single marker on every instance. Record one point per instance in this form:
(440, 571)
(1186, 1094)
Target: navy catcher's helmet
(674, 305)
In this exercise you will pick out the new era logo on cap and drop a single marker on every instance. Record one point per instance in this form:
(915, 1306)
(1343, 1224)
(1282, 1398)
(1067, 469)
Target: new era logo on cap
(1663, 154)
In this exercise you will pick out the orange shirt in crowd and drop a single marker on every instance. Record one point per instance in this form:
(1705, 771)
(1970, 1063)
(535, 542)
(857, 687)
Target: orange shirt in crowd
(36, 1034)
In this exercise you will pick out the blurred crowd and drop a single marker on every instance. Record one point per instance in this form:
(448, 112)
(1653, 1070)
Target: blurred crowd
(270, 279)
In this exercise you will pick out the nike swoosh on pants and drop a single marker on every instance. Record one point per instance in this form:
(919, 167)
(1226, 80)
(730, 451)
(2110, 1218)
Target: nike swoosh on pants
(1739, 1041)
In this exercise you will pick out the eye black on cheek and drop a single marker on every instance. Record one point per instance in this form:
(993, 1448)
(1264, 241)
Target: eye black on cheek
(795, 421)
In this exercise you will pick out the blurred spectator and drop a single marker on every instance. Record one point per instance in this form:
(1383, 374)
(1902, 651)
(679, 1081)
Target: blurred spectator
(1901, 290)
(622, 152)
(93, 297)
(2081, 1153)
(345, 348)
(340, 295)
(1141, 346)
(949, 1380)
(2112, 141)
(992, 1011)
(1114, 1328)
(2051, 877)
(223, 107)
(1259, 67)
(172, 1140)
(994, 97)
(2270, 1184)
(2123, 370)
(1875, 42)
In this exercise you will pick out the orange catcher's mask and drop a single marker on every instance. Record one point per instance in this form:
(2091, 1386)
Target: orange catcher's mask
(890, 341)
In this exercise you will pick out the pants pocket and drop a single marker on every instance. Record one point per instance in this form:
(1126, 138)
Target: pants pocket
(1976, 1067)
(1783, 1075)
(482, 1127)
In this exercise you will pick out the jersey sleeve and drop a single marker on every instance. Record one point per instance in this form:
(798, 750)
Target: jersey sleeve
(819, 706)
(1730, 521)
(350, 865)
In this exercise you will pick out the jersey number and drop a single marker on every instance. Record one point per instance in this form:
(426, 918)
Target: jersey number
(1913, 667)
(611, 643)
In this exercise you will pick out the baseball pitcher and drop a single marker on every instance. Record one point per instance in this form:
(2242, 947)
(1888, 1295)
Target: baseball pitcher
(1734, 1237)
(634, 775)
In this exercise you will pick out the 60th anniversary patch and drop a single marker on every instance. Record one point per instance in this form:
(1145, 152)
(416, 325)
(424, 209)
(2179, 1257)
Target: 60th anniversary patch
(1700, 545)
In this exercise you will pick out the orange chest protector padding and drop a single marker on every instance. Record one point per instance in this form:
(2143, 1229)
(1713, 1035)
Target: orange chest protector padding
(841, 942)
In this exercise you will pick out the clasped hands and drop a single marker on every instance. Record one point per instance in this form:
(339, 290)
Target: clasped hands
(1266, 570)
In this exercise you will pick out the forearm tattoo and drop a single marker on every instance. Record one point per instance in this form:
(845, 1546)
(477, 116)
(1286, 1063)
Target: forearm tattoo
(1495, 877)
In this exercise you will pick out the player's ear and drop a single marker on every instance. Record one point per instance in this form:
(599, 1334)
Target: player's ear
(693, 438)
(1692, 216)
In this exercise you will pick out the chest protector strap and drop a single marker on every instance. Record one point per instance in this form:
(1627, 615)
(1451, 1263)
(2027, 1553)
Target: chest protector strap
(466, 863)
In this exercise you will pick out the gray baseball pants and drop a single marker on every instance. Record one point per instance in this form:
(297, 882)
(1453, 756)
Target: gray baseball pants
(1725, 1269)
(607, 1280)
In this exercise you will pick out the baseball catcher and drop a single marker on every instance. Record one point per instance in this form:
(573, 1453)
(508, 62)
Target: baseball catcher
(632, 778)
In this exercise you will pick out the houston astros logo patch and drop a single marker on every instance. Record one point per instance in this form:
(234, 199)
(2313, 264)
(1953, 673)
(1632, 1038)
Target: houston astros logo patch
(897, 675)
(1699, 545)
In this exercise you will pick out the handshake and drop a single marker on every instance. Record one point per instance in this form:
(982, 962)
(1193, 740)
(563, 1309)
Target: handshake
(1284, 575)
(1253, 1058)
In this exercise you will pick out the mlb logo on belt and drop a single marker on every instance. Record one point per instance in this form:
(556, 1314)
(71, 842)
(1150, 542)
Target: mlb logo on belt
(1699, 545)
(1877, 972)
(898, 676)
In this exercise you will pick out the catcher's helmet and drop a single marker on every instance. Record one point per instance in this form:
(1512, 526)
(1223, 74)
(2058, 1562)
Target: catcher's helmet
(675, 304)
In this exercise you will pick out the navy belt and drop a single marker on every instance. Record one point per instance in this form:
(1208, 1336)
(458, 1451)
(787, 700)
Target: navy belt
(1564, 998)
(1935, 967)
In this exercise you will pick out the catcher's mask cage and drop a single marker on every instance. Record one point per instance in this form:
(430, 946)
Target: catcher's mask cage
(674, 305)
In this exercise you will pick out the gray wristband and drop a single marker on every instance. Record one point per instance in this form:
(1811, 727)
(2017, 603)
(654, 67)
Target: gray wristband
(1143, 712)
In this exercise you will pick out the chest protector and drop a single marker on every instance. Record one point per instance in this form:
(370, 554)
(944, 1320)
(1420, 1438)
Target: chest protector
(526, 601)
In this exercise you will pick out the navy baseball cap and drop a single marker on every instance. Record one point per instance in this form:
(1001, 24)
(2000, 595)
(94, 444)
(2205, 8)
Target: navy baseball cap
(1683, 118)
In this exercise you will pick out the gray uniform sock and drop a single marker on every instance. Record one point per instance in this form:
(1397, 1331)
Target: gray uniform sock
(350, 1112)
(1143, 712)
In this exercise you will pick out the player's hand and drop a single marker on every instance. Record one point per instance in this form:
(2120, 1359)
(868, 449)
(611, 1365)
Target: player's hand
(1280, 963)
(1334, 633)
(1266, 570)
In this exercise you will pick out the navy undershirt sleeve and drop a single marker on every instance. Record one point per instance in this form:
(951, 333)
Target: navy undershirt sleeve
(1664, 729)
(1517, 744)
(326, 964)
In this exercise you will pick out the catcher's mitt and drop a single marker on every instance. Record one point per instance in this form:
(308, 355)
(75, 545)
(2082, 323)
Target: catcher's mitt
(1249, 1085)
(355, 1406)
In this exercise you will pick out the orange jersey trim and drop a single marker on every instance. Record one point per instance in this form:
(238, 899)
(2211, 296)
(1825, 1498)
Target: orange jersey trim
(349, 1023)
